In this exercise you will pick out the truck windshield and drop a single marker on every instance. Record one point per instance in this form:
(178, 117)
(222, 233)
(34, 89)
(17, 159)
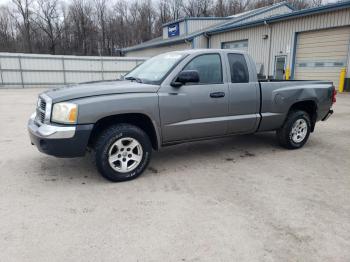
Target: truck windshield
(153, 70)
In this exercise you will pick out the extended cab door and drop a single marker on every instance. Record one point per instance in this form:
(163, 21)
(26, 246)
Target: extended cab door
(244, 95)
(195, 110)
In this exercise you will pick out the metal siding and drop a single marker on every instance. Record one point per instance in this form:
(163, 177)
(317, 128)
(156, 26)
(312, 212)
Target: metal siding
(149, 52)
(165, 32)
(197, 25)
(257, 46)
(182, 28)
(282, 35)
(284, 31)
(277, 11)
(348, 64)
(47, 70)
(201, 42)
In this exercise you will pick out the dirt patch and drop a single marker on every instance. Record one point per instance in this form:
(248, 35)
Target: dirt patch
(247, 154)
(153, 170)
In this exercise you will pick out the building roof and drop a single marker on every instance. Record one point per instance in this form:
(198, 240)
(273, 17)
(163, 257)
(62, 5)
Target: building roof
(276, 18)
(197, 18)
(255, 12)
(233, 20)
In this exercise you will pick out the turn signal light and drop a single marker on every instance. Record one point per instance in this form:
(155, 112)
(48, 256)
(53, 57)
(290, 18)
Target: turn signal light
(73, 115)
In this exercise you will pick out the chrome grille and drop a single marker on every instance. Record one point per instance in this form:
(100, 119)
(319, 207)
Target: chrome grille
(40, 111)
(42, 117)
(42, 104)
(43, 110)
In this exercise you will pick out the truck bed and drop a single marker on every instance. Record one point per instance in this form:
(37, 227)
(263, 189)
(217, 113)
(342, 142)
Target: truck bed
(276, 98)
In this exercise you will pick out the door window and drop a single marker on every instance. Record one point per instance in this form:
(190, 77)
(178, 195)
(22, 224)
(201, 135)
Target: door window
(209, 68)
(238, 68)
(280, 63)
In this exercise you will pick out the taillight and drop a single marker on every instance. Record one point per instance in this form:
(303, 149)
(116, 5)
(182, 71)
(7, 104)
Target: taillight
(334, 99)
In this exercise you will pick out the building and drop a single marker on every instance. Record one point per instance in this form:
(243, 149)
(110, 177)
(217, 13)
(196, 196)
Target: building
(312, 43)
(190, 32)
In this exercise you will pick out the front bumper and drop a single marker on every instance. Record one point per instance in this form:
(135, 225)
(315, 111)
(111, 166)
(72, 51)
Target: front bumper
(60, 141)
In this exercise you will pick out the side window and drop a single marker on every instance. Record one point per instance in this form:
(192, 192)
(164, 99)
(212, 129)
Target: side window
(238, 68)
(209, 68)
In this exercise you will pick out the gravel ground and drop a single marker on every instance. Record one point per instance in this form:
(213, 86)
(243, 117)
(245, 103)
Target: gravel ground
(235, 199)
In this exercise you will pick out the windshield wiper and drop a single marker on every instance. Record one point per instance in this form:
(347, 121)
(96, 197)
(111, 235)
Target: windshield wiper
(139, 80)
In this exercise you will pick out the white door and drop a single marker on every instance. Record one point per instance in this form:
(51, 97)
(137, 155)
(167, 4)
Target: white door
(321, 54)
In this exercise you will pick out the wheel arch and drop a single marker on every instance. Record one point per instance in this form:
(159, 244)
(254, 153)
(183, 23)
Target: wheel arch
(309, 106)
(138, 119)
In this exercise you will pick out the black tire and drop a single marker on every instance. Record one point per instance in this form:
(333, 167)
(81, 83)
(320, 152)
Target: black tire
(284, 134)
(104, 144)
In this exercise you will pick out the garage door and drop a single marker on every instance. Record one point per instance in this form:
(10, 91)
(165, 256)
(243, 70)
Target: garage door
(321, 54)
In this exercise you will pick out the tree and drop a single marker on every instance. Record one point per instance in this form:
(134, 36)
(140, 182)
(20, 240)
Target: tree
(83, 27)
(24, 9)
(101, 13)
(91, 27)
(48, 19)
(7, 35)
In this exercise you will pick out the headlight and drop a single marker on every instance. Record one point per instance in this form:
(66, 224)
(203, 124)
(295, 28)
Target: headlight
(65, 113)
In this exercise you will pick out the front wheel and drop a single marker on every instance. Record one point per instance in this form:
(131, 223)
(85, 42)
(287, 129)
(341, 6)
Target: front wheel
(295, 131)
(122, 152)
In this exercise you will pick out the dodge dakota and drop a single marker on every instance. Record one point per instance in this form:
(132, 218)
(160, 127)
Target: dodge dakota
(173, 98)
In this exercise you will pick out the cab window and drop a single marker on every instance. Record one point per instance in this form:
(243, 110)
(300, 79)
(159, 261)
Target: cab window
(238, 68)
(209, 68)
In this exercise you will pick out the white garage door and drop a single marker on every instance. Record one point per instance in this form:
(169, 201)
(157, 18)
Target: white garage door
(238, 45)
(321, 54)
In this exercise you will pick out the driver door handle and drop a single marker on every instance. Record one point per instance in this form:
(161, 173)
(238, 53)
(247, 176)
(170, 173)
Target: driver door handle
(217, 94)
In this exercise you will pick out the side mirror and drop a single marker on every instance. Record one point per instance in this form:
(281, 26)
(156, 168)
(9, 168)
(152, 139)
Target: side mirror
(186, 76)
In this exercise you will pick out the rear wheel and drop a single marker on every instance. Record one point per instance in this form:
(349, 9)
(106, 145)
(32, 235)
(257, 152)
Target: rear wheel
(295, 131)
(122, 152)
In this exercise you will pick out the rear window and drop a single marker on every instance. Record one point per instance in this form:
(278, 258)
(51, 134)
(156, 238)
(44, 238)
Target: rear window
(238, 68)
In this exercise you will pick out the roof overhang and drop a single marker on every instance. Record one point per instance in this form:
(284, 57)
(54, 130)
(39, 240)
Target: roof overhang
(287, 16)
(196, 18)
(161, 43)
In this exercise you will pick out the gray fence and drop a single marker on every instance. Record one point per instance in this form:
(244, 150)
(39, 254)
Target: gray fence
(34, 70)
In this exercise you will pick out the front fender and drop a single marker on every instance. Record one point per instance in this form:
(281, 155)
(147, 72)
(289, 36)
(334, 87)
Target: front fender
(92, 109)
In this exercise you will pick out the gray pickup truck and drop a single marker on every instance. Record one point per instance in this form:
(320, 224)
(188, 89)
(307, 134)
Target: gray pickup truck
(173, 98)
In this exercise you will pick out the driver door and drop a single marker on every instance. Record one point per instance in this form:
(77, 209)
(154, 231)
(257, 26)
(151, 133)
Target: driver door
(196, 110)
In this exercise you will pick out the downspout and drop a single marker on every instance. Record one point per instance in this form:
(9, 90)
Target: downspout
(189, 42)
(208, 39)
(269, 52)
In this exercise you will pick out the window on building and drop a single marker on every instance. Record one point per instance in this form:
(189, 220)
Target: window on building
(238, 68)
(209, 68)
(238, 45)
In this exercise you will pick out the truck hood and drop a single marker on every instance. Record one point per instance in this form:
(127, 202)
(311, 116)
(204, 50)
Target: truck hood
(99, 88)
